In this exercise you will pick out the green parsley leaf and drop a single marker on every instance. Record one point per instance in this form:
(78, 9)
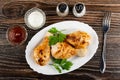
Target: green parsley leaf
(57, 67)
(61, 37)
(52, 40)
(57, 61)
(67, 65)
(63, 61)
(53, 30)
(57, 36)
(62, 64)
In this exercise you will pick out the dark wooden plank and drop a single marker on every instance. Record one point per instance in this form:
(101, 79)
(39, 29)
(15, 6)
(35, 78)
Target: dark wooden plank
(12, 61)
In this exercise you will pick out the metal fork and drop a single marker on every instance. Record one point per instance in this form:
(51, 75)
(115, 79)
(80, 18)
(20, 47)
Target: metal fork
(106, 27)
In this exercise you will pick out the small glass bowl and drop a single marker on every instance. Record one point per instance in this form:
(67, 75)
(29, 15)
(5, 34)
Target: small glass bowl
(29, 12)
(16, 35)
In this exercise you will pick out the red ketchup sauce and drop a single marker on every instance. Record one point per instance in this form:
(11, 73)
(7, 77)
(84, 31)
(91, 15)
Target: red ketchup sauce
(16, 34)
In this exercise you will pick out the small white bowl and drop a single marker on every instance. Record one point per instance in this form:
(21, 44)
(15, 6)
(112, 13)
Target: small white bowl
(27, 14)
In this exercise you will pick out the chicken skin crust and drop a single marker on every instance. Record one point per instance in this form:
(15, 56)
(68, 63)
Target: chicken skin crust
(62, 50)
(42, 52)
(78, 39)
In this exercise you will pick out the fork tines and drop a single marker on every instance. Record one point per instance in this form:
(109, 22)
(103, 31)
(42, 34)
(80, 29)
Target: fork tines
(106, 21)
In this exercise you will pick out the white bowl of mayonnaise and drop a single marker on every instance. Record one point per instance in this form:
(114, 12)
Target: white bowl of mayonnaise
(35, 18)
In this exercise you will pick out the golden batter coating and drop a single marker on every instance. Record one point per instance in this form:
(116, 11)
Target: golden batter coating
(62, 50)
(78, 39)
(42, 52)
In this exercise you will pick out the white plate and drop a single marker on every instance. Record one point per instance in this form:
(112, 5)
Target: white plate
(69, 26)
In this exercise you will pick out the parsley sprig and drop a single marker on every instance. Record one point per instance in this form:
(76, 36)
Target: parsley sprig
(62, 64)
(59, 64)
(57, 36)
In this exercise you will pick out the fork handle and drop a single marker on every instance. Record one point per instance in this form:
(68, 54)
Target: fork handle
(103, 55)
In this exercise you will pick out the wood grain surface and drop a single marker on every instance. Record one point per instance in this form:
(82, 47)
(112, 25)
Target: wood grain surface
(13, 65)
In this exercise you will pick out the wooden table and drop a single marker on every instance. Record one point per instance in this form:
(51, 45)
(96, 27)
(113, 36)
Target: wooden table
(13, 64)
